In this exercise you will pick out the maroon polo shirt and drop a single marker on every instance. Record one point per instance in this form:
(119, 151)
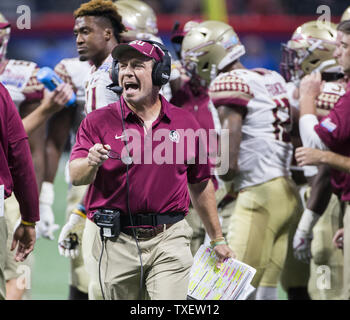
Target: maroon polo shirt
(16, 166)
(334, 131)
(165, 159)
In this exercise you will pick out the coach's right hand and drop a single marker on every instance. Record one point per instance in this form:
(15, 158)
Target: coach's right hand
(98, 154)
(82, 171)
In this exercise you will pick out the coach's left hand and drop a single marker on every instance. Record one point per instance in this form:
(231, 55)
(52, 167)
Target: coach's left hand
(223, 252)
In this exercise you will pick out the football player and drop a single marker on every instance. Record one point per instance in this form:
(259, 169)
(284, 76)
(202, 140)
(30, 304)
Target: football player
(191, 93)
(254, 110)
(309, 50)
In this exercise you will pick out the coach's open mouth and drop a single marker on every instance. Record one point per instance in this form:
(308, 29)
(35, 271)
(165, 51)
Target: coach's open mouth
(131, 86)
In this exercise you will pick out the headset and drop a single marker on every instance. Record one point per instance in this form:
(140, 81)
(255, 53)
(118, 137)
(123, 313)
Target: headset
(160, 72)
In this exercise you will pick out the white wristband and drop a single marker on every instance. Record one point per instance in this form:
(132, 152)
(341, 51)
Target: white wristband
(47, 194)
(308, 220)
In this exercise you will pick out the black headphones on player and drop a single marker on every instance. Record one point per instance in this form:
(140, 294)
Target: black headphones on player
(160, 72)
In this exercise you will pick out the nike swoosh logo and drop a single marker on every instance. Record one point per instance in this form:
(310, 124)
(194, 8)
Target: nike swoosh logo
(119, 137)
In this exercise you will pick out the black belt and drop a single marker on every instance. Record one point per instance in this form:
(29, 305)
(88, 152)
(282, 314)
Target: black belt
(151, 219)
(146, 233)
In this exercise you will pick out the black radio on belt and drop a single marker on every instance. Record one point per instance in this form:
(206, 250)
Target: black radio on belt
(109, 222)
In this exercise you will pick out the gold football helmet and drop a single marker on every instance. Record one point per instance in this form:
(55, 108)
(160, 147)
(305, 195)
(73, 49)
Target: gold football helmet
(4, 36)
(209, 47)
(138, 18)
(346, 14)
(310, 49)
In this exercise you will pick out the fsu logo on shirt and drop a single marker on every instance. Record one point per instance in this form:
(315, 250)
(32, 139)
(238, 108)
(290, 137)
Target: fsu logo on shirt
(174, 136)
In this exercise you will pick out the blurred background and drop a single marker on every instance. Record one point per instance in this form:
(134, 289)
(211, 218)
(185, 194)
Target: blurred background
(262, 26)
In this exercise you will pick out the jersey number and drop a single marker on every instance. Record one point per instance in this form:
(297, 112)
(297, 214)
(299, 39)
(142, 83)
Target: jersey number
(90, 95)
(282, 121)
(93, 98)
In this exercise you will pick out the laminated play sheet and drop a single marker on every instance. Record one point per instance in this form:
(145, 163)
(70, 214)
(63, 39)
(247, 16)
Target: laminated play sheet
(230, 282)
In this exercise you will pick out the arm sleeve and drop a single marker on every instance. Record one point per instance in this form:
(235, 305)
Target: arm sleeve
(21, 167)
(308, 135)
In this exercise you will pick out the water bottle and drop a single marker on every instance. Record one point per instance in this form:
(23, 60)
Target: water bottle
(51, 80)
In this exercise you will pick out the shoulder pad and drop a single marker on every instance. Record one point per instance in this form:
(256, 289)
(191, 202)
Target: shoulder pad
(34, 89)
(331, 93)
(230, 89)
(62, 72)
(22, 63)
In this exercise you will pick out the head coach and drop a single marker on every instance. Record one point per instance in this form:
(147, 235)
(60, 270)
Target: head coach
(151, 254)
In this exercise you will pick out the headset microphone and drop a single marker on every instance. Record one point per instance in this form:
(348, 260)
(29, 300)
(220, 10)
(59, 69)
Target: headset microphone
(115, 88)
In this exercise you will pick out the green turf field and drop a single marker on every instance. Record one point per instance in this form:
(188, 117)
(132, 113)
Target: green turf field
(51, 271)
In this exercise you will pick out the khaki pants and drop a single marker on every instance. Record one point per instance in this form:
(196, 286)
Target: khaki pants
(91, 230)
(295, 273)
(259, 226)
(3, 256)
(166, 260)
(326, 266)
(326, 263)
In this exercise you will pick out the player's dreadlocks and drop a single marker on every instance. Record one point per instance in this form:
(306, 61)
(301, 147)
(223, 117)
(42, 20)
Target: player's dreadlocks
(105, 9)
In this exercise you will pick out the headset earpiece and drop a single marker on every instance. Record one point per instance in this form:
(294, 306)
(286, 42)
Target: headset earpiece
(115, 72)
(114, 86)
(161, 69)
